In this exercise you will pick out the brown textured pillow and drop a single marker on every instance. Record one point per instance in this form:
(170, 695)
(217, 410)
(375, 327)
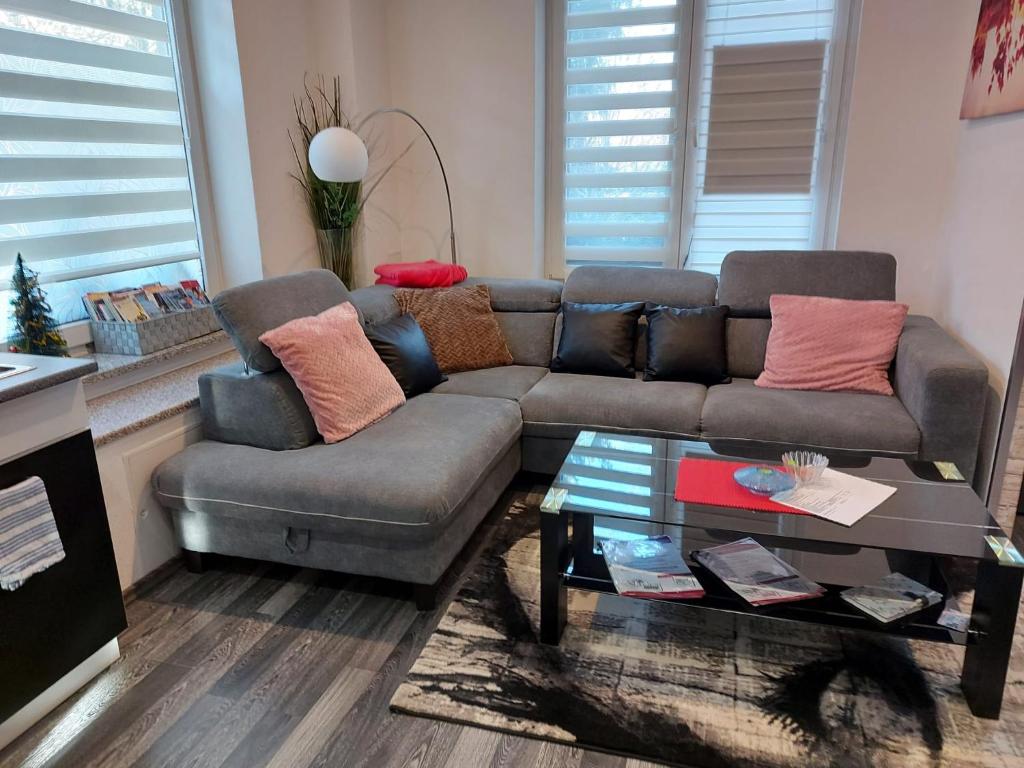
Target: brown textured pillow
(460, 325)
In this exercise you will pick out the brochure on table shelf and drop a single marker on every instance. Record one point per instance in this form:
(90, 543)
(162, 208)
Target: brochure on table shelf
(836, 496)
(756, 575)
(651, 567)
(894, 597)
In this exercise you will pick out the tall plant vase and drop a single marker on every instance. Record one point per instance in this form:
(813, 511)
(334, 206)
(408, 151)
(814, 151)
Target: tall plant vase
(337, 248)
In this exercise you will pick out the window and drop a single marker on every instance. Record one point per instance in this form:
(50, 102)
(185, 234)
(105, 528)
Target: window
(95, 189)
(642, 88)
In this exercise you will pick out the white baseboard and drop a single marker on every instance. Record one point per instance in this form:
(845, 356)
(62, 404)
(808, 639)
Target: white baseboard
(52, 697)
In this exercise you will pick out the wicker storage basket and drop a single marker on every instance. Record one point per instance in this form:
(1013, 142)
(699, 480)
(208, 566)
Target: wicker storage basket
(153, 335)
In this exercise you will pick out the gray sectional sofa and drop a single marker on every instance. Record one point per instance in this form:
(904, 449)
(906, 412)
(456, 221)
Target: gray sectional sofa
(402, 497)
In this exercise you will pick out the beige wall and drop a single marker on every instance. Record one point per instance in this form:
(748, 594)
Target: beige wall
(938, 192)
(274, 53)
(476, 94)
(466, 69)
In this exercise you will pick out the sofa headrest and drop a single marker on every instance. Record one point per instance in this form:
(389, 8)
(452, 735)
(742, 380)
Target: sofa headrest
(617, 285)
(509, 294)
(749, 278)
(249, 310)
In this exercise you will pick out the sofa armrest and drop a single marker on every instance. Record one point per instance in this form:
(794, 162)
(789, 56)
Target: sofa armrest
(265, 410)
(944, 387)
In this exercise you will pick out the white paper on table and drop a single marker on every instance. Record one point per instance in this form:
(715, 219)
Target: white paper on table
(836, 496)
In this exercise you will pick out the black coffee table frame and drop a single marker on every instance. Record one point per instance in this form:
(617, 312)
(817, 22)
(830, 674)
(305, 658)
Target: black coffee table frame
(587, 488)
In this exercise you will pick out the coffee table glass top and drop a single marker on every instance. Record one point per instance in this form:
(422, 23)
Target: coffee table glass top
(628, 478)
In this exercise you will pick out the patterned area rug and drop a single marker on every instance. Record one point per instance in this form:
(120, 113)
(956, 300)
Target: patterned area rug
(691, 687)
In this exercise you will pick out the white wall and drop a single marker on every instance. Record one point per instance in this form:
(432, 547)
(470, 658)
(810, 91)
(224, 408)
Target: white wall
(218, 83)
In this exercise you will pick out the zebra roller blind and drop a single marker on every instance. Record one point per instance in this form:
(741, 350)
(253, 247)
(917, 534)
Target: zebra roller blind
(621, 78)
(95, 188)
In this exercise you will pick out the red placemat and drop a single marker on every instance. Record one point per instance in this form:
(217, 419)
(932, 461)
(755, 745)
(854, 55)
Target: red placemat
(710, 481)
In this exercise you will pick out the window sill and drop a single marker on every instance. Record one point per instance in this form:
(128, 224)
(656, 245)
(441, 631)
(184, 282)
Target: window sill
(130, 409)
(121, 371)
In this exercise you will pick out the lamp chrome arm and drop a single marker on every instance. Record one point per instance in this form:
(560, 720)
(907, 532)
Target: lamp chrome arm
(433, 146)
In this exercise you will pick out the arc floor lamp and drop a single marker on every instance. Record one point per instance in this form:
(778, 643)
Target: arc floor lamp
(338, 154)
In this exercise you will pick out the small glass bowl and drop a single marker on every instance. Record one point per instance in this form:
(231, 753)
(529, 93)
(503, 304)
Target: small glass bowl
(764, 481)
(806, 466)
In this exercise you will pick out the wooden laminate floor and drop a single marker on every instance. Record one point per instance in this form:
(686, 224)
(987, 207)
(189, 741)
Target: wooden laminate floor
(254, 664)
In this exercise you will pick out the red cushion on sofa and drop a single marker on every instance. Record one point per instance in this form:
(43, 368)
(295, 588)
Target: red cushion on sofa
(826, 344)
(420, 274)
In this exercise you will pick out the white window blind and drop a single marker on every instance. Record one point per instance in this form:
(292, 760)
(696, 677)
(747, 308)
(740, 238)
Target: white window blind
(773, 219)
(95, 190)
(621, 80)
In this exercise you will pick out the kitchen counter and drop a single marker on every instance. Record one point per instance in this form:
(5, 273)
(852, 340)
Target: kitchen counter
(46, 372)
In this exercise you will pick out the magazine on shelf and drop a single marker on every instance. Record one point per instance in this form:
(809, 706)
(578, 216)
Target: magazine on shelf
(756, 575)
(651, 567)
(892, 598)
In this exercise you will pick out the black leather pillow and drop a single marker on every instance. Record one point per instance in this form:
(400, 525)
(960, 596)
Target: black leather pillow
(686, 344)
(403, 347)
(598, 339)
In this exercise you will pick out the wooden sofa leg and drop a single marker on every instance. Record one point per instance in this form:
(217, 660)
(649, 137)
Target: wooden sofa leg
(426, 596)
(193, 561)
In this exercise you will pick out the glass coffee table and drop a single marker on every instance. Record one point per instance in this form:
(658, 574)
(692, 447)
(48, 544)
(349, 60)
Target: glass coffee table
(620, 486)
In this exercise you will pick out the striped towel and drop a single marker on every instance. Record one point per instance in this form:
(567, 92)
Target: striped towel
(29, 541)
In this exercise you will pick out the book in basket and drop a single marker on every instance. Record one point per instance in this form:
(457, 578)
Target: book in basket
(651, 567)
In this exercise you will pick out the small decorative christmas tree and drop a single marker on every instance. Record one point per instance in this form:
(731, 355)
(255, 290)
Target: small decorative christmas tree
(35, 330)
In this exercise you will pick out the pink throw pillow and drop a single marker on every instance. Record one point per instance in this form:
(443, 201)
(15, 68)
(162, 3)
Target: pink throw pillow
(343, 381)
(831, 344)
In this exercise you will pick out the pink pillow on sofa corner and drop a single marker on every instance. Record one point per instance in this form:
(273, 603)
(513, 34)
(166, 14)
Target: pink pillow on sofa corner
(829, 345)
(343, 381)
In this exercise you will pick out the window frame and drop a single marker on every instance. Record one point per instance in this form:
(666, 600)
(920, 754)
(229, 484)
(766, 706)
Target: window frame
(829, 167)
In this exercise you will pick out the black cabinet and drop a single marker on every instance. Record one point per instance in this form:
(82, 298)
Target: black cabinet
(60, 617)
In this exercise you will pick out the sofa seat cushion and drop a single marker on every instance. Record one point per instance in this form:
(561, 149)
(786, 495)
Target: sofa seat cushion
(563, 403)
(510, 382)
(403, 477)
(844, 421)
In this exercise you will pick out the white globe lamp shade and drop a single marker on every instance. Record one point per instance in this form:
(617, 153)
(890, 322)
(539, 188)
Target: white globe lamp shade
(338, 154)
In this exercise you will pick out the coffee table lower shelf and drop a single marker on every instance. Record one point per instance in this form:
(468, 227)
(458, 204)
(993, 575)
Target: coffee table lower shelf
(828, 610)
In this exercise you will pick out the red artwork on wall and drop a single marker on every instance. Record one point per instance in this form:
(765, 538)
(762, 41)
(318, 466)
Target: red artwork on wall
(995, 80)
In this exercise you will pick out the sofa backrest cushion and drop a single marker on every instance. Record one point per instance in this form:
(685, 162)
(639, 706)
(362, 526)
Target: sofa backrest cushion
(252, 309)
(621, 285)
(376, 303)
(529, 336)
(749, 278)
(746, 340)
(510, 294)
(525, 310)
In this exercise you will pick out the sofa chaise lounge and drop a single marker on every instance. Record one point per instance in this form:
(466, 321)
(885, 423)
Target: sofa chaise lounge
(402, 497)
